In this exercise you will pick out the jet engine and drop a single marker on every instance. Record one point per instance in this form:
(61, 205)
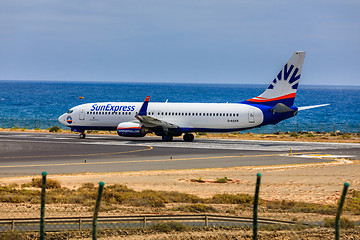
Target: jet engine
(131, 129)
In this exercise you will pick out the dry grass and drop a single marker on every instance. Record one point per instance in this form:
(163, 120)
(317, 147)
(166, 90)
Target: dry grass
(122, 195)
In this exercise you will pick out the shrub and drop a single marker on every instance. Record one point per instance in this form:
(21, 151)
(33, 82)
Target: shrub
(231, 198)
(222, 180)
(345, 223)
(168, 227)
(146, 202)
(310, 135)
(92, 131)
(345, 135)
(199, 180)
(12, 198)
(197, 208)
(11, 235)
(55, 129)
(202, 133)
(230, 211)
(303, 207)
(88, 185)
(353, 201)
(50, 183)
(180, 197)
(294, 134)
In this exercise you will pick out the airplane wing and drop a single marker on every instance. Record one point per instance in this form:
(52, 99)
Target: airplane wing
(149, 121)
(314, 106)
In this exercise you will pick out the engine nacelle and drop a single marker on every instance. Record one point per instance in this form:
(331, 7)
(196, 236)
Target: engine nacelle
(131, 129)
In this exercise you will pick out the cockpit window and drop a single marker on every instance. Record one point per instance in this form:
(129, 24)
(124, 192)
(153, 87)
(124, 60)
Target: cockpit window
(70, 111)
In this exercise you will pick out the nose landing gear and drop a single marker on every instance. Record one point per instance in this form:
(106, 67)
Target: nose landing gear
(82, 135)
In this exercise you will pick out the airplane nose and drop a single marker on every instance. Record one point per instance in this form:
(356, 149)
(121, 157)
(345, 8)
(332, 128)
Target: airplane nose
(61, 119)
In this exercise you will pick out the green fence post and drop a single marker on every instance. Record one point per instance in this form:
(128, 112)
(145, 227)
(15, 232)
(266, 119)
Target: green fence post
(341, 203)
(42, 211)
(97, 206)
(256, 200)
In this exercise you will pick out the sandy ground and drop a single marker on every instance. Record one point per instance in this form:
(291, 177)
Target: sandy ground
(316, 183)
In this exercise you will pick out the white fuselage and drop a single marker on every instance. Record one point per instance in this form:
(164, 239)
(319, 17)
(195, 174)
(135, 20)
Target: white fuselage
(193, 116)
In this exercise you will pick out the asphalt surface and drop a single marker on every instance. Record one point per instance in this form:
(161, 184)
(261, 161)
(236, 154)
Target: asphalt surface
(33, 153)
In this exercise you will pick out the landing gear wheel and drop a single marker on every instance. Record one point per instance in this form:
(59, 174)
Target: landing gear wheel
(167, 138)
(188, 137)
(82, 135)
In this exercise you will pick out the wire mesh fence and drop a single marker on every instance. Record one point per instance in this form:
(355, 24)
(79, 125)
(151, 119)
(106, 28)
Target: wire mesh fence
(9, 123)
(134, 221)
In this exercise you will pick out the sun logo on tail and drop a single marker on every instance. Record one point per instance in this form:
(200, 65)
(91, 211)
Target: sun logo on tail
(284, 75)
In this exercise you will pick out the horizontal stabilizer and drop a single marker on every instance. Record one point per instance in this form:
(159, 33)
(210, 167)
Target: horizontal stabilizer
(281, 108)
(314, 106)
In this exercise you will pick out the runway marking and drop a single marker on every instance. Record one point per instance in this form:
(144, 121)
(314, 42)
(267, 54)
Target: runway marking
(81, 155)
(152, 160)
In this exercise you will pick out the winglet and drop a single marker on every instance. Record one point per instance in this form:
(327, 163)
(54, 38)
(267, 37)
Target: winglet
(144, 107)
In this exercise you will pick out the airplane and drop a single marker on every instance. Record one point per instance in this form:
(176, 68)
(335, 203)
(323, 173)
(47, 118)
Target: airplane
(168, 120)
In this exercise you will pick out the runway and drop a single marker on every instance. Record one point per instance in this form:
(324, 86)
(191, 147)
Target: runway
(32, 153)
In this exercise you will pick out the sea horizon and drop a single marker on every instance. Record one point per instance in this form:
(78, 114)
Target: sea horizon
(45, 100)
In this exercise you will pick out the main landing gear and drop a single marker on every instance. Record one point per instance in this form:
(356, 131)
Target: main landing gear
(188, 137)
(167, 138)
(82, 135)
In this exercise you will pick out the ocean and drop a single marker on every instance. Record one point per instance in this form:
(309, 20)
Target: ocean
(23, 101)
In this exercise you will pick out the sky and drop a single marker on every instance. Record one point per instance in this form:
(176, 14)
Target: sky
(202, 41)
